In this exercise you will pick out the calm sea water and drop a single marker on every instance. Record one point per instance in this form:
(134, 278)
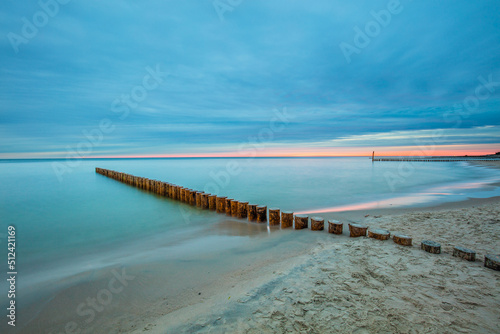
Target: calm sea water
(85, 221)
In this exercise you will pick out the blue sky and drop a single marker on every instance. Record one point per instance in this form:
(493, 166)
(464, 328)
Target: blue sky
(229, 67)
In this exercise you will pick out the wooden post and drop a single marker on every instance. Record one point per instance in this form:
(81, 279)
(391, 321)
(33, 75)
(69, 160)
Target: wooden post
(177, 192)
(242, 209)
(379, 234)
(274, 216)
(301, 222)
(464, 253)
(192, 197)
(234, 208)
(262, 214)
(198, 198)
(335, 227)
(212, 202)
(221, 204)
(402, 239)
(492, 261)
(286, 219)
(228, 206)
(357, 230)
(204, 201)
(431, 247)
(317, 223)
(252, 212)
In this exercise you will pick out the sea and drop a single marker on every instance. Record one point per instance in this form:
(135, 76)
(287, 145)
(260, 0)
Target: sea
(71, 222)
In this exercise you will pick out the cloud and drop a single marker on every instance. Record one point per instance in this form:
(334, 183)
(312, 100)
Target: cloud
(226, 77)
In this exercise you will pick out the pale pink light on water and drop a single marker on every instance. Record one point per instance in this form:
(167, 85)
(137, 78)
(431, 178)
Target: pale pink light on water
(387, 203)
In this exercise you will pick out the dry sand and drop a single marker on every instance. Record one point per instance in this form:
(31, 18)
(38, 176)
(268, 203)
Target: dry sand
(363, 285)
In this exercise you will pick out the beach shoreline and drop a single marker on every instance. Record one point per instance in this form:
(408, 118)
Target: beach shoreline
(363, 285)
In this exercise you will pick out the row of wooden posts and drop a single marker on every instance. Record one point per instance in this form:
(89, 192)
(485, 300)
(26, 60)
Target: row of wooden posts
(432, 160)
(285, 219)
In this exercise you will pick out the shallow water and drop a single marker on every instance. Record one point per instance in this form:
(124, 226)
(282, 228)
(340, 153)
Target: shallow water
(85, 221)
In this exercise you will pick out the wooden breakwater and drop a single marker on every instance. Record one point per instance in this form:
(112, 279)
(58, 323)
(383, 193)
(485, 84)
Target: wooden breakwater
(274, 216)
(433, 160)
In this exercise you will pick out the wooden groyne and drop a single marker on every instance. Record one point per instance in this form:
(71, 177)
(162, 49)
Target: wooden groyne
(284, 219)
(432, 160)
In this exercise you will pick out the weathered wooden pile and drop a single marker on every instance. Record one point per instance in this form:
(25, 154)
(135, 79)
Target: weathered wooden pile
(285, 219)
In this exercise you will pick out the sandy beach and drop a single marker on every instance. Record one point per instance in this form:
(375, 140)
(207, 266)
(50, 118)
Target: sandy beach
(363, 285)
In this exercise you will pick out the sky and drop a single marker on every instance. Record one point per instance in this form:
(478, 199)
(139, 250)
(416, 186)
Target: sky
(248, 78)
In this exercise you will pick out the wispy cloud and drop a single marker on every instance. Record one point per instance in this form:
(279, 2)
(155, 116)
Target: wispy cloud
(225, 78)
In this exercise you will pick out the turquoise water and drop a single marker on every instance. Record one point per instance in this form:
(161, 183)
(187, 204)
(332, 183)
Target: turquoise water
(84, 221)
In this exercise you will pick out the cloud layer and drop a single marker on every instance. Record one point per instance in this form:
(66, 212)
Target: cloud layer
(426, 66)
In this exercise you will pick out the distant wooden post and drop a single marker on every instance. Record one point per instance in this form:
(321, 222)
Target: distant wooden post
(262, 214)
(379, 234)
(177, 192)
(492, 261)
(204, 201)
(192, 197)
(357, 230)
(198, 198)
(221, 204)
(301, 221)
(431, 246)
(274, 216)
(286, 219)
(212, 202)
(373, 156)
(402, 239)
(234, 208)
(464, 253)
(228, 206)
(242, 209)
(252, 212)
(317, 224)
(335, 227)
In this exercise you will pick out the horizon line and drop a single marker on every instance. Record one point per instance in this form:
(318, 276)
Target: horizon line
(245, 157)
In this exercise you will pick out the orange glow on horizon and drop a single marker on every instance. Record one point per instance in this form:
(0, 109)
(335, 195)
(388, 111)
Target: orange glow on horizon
(287, 152)
(301, 152)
